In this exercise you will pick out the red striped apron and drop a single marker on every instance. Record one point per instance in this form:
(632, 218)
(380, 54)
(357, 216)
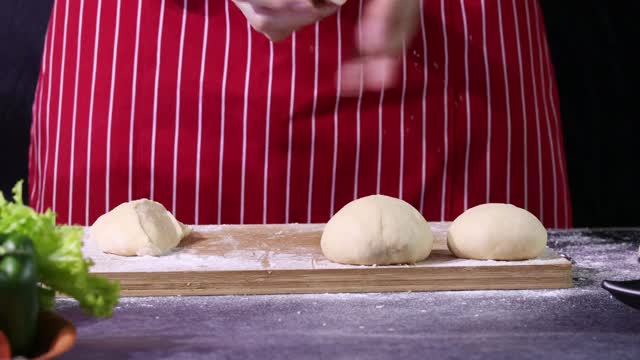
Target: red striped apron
(181, 102)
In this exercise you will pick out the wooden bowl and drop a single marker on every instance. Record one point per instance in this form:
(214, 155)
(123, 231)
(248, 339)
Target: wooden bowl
(55, 336)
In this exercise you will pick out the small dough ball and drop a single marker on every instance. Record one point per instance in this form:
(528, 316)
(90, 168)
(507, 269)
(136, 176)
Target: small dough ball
(377, 230)
(140, 227)
(497, 232)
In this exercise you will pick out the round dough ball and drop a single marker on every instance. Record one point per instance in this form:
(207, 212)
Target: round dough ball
(377, 230)
(497, 232)
(140, 227)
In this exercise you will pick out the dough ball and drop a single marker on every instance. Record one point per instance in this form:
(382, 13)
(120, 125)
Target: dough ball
(497, 232)
(377, 230)
(140, 227)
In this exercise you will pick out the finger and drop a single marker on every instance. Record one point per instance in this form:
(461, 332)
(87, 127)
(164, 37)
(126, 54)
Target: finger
(277, 19)
(278, 5)
(273, 7)
(368, 74)
(380, 72)
(350, 78)
(386, 24)
(278, 25)
(335, 2)
(277, 35)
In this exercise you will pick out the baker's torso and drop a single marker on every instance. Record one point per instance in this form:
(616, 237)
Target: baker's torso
(181, 102)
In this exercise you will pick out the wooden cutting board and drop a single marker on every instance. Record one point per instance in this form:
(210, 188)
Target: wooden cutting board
(284, 259)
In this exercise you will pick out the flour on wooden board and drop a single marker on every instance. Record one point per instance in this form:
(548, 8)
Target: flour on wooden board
(239, 258)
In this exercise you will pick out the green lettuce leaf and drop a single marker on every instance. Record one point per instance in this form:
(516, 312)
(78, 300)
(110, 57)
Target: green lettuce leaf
(61, 266)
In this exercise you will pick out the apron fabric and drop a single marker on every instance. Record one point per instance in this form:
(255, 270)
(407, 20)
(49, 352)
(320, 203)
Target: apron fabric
(180, 101)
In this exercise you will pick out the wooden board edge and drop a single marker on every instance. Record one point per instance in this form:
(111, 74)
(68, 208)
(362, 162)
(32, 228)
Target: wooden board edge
(552, 276)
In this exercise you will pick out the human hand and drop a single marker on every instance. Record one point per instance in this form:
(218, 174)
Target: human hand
(386, 26)
(277, 19)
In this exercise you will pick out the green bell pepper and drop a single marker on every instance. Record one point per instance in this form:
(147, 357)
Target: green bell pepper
(18, 292)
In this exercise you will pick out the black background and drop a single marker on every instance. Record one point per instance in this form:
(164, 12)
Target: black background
(592, 45)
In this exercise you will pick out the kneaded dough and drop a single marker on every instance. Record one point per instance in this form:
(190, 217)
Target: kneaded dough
(497, 231)
(140, 227)
(377, 230)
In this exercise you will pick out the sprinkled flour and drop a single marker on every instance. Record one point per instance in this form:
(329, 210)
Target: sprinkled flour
(268, 256)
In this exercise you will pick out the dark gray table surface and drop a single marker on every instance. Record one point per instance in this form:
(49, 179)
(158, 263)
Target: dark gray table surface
(583, 322)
